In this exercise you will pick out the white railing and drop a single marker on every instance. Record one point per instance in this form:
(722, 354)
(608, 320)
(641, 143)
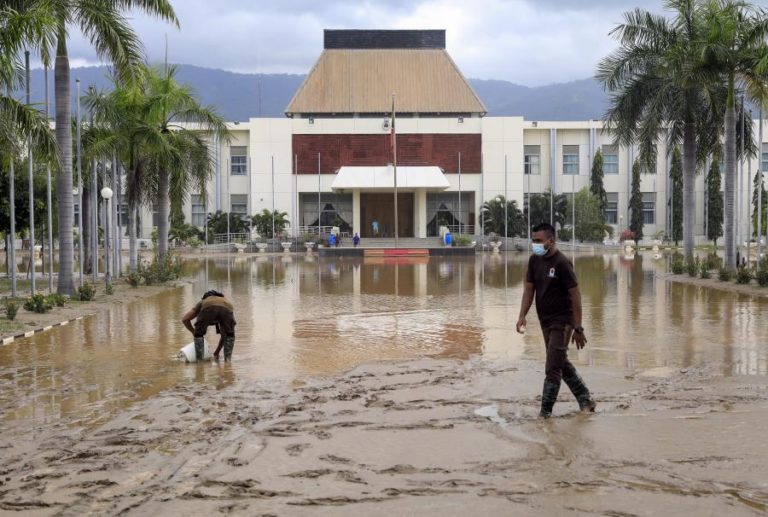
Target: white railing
(315, 230)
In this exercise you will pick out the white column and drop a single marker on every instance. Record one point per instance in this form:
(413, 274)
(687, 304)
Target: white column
(420, 213)
(356, 228)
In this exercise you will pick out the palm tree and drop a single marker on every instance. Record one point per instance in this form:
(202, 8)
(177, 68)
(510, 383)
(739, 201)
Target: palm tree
(659, 88)
(22, 27)
(105, 25)
(174, 129)
(736, 49)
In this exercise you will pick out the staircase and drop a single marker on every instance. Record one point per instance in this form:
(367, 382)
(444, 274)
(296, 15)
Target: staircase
(403, 242)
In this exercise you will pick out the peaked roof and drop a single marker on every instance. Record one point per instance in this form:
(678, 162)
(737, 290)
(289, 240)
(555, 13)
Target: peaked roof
(362, 80)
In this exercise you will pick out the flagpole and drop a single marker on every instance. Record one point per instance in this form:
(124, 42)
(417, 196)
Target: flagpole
(31, 188)
(394, 164)
(48, 195)
(760, 184)
(12, 207)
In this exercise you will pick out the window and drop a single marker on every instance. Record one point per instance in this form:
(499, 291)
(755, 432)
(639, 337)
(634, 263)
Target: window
(765, 159)
(198, 211)
(155, 216)
(570, 159)
(76, 206)
(532, 159)
(612, 207)
(239, 204)
(610, 159)
(649, 208)
(239, 160)
(122, 215)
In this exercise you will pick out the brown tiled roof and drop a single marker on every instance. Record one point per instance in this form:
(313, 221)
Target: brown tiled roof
(363, 80)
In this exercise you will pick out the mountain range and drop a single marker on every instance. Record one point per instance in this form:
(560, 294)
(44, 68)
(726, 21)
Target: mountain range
(239, 97)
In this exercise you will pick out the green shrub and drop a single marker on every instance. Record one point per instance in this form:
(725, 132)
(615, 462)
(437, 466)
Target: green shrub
(11, 308)
(57, 299)
(724, 274)
(463, 241)
(713, 261)
(133, 278)
(762, 278)
(85, 293)
(743, 275)
(109, 289)
(704, 270)
(38, 303)
(678, 266)
(160, 271)
(692, 267)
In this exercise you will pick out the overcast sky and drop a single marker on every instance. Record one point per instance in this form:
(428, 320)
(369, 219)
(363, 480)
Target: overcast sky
(529, 42)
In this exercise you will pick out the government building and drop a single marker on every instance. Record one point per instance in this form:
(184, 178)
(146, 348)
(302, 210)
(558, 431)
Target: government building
(329, 161)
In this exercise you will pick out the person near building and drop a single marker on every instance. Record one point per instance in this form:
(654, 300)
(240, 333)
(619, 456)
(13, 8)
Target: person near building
(213, 309)
(551, 281)
(356, 240)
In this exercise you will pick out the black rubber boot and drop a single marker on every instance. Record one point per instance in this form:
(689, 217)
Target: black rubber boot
(229, 345)
(548, 398)
(579, 390)
(199, 348)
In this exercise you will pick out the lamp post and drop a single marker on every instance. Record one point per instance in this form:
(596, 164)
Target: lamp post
(106, 194)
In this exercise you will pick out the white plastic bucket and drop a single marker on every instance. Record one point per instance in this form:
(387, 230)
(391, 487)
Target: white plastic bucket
(188, 352)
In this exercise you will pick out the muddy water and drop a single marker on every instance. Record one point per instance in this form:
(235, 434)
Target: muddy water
(300, 316)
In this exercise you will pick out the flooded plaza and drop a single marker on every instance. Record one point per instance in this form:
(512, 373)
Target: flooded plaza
(379, 365)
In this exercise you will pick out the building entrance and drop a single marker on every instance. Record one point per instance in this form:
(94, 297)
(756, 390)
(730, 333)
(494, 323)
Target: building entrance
(377, 215)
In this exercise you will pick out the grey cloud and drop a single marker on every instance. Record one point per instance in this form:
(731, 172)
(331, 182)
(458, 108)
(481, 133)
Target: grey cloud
(525, 41)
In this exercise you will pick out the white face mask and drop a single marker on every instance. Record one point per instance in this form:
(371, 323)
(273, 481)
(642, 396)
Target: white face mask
(539, 249)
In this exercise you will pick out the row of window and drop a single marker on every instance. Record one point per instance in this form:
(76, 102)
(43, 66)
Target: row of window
(532, 159)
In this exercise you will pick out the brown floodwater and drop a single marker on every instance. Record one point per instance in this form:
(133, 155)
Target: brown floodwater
(303, 316)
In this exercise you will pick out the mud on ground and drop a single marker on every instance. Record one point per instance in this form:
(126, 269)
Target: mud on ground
(404, 438)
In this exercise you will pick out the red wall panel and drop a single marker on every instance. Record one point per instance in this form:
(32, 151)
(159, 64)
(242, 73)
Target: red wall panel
(337, 151)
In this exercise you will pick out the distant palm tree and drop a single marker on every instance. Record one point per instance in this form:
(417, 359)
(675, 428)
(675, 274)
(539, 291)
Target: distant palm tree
(175, 127)
(659, 88)
(104, 24)
(735, 48)
(161, 132)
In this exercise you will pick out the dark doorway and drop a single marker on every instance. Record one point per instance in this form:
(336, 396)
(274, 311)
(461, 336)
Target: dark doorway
(377, 215)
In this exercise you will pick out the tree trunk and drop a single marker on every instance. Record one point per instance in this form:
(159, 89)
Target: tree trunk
(66, 284)
(689, 195)
(163, 209)
(87, 235)
(730, 184)
(133, 254)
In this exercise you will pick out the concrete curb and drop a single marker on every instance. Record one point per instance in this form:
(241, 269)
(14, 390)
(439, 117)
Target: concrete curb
(29, 333)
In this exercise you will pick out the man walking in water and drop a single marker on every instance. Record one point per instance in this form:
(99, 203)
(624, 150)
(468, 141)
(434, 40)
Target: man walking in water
(551, 278)
(213, 309)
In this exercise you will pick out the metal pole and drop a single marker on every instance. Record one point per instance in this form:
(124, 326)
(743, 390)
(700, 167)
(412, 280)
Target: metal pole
(229, 203)
(459, 194)
(573, 213)
(506, 206)
(79, 185)
(113, 213)
(12, 202)
(529, 209)
(394, 162)
(482, 197)
(49, 198)
(94, 207)
(250, 204)
(273, 204)
(106, 208)
(740, 191)
(31, 188)
(319, 208)
(759, 185)
(118, 221)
